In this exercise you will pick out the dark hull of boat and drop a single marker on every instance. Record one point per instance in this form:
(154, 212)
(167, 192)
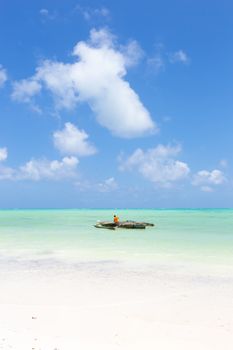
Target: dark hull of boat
(123, 224)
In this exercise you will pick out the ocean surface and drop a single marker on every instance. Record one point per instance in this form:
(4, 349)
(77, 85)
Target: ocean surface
(179, 236)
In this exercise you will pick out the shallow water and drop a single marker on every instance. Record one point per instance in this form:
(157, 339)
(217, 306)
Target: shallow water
(200, 236)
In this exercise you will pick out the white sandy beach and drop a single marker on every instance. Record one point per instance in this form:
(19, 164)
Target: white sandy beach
(115, 306)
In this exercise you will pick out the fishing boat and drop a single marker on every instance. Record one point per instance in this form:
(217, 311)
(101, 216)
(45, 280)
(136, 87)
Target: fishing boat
(122, 224)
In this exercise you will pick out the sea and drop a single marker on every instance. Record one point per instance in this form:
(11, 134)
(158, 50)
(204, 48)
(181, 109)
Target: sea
(66, 284)
(199, 236)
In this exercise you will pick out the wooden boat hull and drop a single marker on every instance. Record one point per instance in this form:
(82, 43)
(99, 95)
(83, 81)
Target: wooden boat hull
(123, 224)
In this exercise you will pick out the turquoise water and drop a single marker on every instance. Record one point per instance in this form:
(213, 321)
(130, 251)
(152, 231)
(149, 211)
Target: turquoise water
(180, 235)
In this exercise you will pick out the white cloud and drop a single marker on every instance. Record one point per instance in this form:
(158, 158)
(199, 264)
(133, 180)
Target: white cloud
(93, 13)
(215, 177)
(205, 179)
(3, 154)
(179, 56)
(51, 170)
(71, 140)
(158, 164)
(161, 58)
(156, 63)
(206, 189)
(46, 14)
(97, 77)
(6, 173)
(58, 79)
(132, 52)
(42, 169)
(24, 90)
(108, 185)
(3, 76)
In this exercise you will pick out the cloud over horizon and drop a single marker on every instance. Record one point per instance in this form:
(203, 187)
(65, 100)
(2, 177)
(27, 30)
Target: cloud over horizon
(106, 186)
(206, 179)
(41, 169)
(157, 165)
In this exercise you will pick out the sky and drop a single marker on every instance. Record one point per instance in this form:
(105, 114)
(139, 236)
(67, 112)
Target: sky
(116, 104)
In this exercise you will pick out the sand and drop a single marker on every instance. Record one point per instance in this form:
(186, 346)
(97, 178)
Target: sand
(113, 305)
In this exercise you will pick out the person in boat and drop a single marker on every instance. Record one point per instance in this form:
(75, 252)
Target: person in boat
(116, 219)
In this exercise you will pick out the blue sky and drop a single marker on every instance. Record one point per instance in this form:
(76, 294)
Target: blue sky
(116, 104)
